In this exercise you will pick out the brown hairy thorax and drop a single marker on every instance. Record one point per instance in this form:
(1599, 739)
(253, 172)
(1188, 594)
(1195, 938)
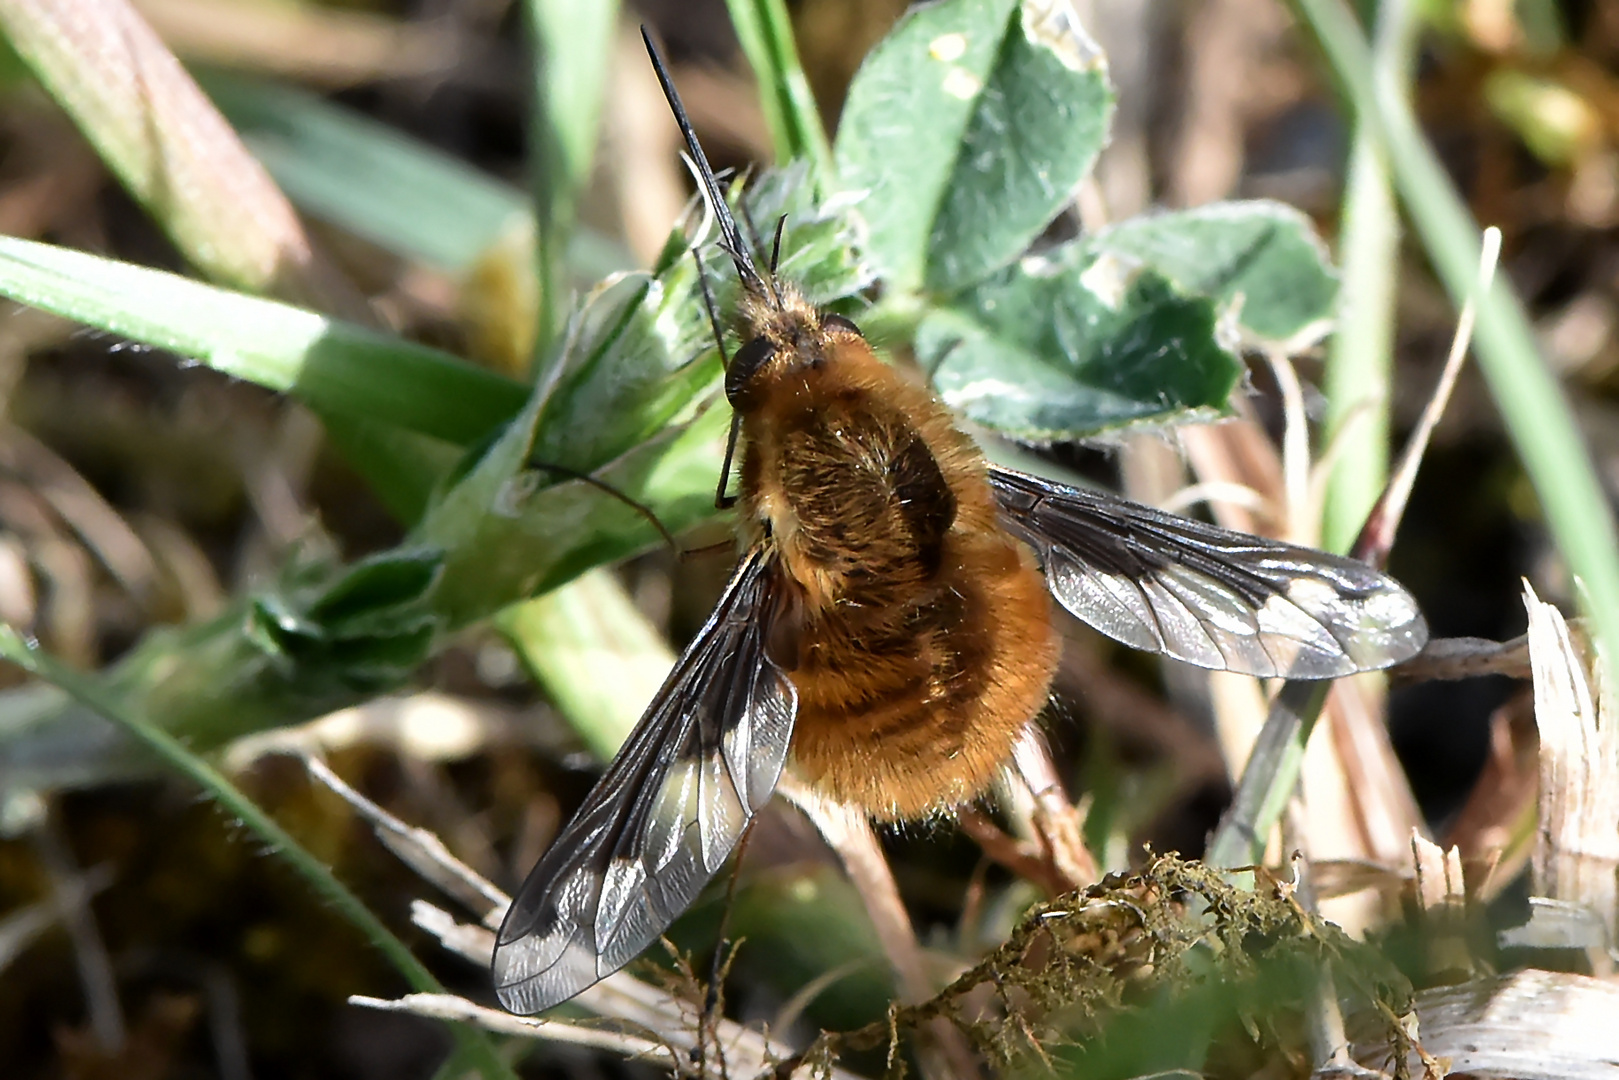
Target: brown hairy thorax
(922, 644)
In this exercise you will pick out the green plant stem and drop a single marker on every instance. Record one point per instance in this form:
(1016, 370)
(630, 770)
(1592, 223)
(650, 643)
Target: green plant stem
(1269, 776)
(766, 33)
(88, 692)
(1537, 415)
(1360, 358)
(601, 662)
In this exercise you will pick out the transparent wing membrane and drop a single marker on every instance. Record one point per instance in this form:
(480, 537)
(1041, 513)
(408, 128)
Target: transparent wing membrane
(1206, 595)
(667, 812)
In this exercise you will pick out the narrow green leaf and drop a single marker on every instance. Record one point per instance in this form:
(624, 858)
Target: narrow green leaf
(400, 194)
(330, 365)
(1270, 777)
(572, 41)
(1075, 343)
(368, 178)
(967, 129)
(1358, 374)
(1263, 259)
(766, 33)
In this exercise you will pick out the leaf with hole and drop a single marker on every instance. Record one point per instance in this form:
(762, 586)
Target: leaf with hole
(967, 130)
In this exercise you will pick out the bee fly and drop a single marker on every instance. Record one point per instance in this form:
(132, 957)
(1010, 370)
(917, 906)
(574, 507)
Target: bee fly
(888, 627)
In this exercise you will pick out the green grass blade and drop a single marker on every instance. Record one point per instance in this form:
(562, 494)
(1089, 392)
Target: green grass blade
(1269, 777)
(375, 182)
(401, 194)
(333, 366)
(766, 33)
(572, 41)
(1537, 415)
(1360, 357)
(90, 693)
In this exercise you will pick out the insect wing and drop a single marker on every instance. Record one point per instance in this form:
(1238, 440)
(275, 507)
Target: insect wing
(666, 813)
(1206, 595)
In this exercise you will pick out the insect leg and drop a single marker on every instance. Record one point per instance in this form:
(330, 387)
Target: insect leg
(723, 950)
(603, 486)
(722, 501)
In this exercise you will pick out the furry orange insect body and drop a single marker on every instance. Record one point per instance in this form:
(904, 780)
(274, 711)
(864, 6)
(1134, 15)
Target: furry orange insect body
(888, 627)
(923, 641)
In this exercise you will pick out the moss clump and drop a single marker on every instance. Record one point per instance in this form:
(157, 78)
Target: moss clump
(1170, 967)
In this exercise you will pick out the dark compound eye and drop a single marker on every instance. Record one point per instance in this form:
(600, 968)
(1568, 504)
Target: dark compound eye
(838, 322)
(748, 360)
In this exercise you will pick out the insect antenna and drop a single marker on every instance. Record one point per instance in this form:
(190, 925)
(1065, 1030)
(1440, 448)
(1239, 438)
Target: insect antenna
(731, 240)
(775, 245)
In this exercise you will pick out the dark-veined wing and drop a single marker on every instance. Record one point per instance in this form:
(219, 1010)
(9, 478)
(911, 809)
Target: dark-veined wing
(666, 813)
(1210, 596)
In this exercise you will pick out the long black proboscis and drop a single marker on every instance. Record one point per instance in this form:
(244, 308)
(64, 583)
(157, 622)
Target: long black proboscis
(735, 245)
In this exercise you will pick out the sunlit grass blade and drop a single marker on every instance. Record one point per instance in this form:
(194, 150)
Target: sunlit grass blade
(333, 366)
(1358, 373)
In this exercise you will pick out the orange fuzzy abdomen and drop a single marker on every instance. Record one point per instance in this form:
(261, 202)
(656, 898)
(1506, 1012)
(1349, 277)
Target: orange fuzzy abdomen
(923, 644)
(918, 713)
